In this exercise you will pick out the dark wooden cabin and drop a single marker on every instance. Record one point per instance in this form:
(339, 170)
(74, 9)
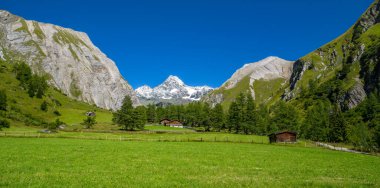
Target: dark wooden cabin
(283, 136)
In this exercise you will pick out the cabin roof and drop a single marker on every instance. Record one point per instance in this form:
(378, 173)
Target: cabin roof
(281, 132)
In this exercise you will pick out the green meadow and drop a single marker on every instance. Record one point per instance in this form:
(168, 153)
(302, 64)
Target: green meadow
(57, 162)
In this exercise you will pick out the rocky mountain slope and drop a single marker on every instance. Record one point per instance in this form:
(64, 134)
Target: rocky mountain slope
(69, 58)
(173, 90)
(264, 79)
(345, 70)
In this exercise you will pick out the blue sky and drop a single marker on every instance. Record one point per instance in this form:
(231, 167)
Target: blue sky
(201, 41)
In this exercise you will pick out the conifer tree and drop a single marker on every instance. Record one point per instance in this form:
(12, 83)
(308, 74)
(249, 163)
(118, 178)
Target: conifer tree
(3, 100)
(217, 117)
(151, 113)
(206, 119)
(316, 124)
(337, 129)
(262, 120)
(241, 104)
(233, 116)
(285, 117)
(139, 117)
(124, 116)
(250, 115)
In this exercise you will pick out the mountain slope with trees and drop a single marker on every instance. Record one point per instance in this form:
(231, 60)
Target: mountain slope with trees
(27, 99)
(69, 58)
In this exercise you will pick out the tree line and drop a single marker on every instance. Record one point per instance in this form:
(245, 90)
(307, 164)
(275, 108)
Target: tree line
(316, 120)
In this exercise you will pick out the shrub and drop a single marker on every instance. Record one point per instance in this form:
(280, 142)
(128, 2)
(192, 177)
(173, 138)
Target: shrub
(4, 124)
(89, 122)
(57, 113)
(44, 106)
(53, 126)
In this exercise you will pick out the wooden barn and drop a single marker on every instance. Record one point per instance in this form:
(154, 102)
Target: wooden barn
(283, 136)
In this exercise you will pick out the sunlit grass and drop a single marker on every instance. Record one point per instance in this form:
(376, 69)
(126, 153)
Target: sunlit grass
(51, 162)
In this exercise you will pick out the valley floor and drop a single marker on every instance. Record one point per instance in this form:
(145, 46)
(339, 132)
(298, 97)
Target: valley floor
(58, 162)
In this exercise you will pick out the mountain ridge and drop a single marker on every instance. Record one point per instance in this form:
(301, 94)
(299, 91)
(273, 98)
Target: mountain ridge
(173, 90)
(250, 78)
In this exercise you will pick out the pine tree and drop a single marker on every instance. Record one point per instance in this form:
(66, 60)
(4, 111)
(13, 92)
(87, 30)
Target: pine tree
(233, 116)
(217, 117)
(151, 113)
(206, 119)
(337, 130)
(377, 136)
(160, 113)
(181, 113)
(361, 137)
(3, 100)
(316, 124)
(139, 118)
(250, 115)
(262, 121)
(124, 116)
(285, 117)
(241, 104)
(191, 115)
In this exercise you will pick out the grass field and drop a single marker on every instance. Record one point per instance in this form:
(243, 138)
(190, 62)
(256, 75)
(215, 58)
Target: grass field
(54, 162)
(152, 133)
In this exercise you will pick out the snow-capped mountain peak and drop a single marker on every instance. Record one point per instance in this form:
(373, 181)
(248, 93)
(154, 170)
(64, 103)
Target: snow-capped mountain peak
(172, 90)
(144, 90)
(174, 79)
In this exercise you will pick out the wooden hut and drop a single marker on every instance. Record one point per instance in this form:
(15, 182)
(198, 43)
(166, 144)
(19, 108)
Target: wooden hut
(175, 123)
(283, 136)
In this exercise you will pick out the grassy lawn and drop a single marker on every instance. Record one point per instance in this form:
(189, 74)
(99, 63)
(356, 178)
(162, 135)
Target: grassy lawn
(54, 162)
(151, 133)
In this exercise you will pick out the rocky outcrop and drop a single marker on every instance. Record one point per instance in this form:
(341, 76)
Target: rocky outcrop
(173, 90)
(355, 96)
(335, 53)
(74, 64)
(368, 19)
(268, 69)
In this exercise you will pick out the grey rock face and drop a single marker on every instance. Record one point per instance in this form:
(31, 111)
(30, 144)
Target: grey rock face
(267, 69)
(355, 95)
(76, 66)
